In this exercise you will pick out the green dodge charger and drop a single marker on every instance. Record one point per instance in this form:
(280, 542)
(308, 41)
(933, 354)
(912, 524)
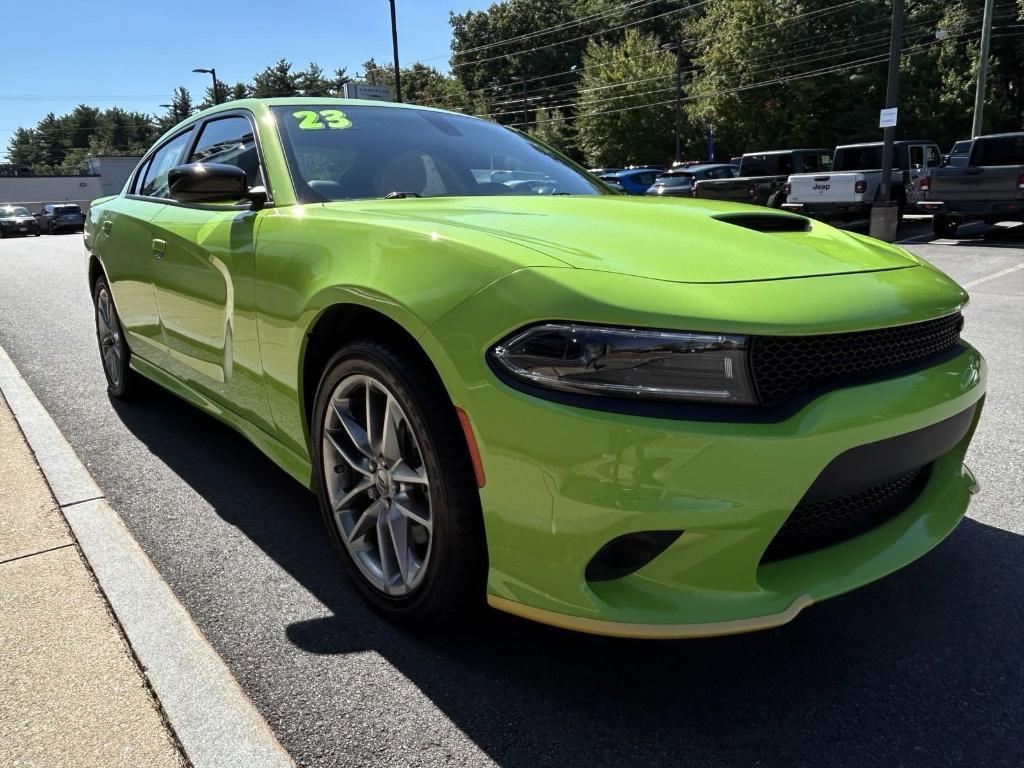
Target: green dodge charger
(505, 382)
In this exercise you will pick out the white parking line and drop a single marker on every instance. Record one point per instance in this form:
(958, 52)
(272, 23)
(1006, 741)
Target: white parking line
(994, 275)
(215, 722)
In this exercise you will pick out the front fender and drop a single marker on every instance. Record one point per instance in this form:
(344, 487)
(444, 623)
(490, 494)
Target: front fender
(310, 258)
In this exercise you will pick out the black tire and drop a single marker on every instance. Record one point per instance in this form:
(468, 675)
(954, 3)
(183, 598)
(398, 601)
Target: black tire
(944, 226)
(114, 352)
(776, 199)
(454, 581)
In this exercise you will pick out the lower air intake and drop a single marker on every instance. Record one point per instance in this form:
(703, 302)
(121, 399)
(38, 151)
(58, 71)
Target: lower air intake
(831, 521)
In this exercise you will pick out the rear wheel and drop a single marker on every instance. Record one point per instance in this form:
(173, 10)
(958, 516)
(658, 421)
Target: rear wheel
(396, 486)
(114, 352)
(944, 226)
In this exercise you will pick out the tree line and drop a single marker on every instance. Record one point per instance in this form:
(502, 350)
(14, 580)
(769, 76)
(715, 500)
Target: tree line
(596, 79)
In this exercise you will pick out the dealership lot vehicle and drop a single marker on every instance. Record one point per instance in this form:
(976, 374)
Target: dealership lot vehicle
(850, 189)
(496, 393)
(16, 220)
(989, 187)
(762, 176)
(680, 181)
(959, 154)
(61, 217)
(633, 182)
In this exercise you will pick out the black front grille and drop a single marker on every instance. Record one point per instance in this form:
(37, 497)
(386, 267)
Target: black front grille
(786, 365)
(830, 521)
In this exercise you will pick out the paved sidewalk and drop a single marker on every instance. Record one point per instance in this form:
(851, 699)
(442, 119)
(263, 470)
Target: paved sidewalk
(71, 694)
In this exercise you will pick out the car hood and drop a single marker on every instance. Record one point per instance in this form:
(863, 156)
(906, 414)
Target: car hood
(663, 239)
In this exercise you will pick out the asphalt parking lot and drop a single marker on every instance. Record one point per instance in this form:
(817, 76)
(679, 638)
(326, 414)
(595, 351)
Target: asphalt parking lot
(923, 668)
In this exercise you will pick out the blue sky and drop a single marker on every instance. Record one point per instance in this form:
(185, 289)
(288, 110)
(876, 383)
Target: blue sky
(133, 53)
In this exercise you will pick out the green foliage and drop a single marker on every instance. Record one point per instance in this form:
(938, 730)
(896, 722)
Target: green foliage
(740, 45)
(420, 85)
(618, 119)
(61, 144)
(550, 127)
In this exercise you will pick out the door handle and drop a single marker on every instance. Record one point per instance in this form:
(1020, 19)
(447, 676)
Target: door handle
(106, 226)
(159, 248)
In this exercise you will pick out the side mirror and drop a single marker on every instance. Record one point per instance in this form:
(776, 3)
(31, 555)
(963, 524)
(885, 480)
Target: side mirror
(208, 183)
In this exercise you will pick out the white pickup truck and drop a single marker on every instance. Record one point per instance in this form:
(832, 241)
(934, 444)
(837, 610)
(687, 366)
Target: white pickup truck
(851, 187)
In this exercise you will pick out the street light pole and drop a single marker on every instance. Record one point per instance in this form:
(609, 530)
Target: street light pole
(677, 46)
(394, 46)
(979, 94)
(213, 73)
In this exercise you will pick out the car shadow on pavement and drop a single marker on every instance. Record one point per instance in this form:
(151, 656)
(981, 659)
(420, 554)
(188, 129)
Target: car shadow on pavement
(922, 668)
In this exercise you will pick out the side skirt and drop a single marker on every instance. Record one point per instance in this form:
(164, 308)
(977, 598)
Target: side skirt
(291, 462)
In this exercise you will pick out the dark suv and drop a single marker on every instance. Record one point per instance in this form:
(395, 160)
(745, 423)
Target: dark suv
(61, 217)
(15, 220)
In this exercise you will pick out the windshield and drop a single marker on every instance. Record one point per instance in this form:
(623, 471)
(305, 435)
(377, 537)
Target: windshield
(12, 212)
(364, 152)
(65, 210)
(867, 158)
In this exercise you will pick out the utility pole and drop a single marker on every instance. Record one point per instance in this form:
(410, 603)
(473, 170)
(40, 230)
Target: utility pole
(885, 215)
(394, 46)
(979, 94)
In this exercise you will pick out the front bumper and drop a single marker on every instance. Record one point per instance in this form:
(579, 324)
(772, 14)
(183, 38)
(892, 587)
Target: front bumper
(563, 481)
(20, 228)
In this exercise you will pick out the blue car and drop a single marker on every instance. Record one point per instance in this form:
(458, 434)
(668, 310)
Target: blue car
(633, 182)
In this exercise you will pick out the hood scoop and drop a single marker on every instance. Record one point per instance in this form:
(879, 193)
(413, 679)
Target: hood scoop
(766, 222)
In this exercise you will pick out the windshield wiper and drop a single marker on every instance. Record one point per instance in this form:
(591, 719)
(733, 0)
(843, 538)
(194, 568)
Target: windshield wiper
(401, 195)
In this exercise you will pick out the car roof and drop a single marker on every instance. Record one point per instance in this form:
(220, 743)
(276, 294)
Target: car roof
(1010, 134)
(901, 142)
(783, 152)
(699, 167)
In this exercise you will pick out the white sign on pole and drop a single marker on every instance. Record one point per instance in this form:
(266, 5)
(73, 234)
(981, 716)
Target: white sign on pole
(887, 117)
(366, 91)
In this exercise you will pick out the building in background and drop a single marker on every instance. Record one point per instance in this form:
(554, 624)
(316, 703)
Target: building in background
(106, 175)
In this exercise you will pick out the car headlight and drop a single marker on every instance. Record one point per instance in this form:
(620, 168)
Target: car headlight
(629, 363)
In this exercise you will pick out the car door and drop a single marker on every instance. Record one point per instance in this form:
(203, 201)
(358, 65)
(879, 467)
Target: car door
(204, 279)
(124, 242)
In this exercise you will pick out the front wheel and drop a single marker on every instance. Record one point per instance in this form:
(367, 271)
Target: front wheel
(114, 351)
(944, 226)
(396, 485)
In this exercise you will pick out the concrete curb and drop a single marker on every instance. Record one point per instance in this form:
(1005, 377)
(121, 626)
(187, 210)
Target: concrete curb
(215, 722)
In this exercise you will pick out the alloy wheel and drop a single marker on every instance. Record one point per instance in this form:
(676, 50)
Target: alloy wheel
(377, 484)
(111, 347)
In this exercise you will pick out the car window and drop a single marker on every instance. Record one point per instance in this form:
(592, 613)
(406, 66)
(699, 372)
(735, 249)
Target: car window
(165, 158)
(867, 158)
(933, 158)
(230, 141)
(358, 152)
(917, 157)
(999, 150)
